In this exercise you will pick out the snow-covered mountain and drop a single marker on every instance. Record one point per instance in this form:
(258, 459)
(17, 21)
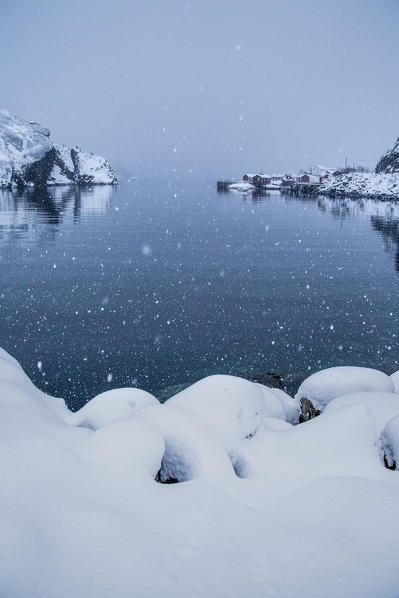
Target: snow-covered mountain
(28, 157)
(389, 162)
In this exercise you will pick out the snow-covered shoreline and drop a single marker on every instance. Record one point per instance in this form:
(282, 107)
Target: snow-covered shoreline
(264, 507)
(380, 186)
(383, 184)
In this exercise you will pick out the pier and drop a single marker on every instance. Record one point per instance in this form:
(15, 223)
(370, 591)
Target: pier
(224, 185)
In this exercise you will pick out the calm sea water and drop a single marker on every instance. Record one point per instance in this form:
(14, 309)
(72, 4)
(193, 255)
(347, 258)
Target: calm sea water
(154, 284)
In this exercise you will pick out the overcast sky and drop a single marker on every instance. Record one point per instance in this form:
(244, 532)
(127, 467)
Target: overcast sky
(218, 87)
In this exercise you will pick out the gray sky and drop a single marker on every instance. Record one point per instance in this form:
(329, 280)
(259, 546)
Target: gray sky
(219, 87)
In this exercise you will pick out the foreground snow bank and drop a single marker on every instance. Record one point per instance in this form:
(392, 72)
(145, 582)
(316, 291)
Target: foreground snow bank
(265, 508)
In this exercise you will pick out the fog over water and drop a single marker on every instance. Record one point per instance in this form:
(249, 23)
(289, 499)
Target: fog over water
(183, 88)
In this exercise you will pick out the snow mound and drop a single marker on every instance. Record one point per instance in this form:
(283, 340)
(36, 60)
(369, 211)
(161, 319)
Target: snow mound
(280, 405)
(231, 407)
(383, 405)
(341, 442)
(129, 448)
(25, 410)
(110, 406)
(395, 380)
(324, 386)
(191, 449)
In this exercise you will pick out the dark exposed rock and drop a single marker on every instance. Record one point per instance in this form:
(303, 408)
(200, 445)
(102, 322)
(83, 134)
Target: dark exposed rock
(392, 466)
(308, 410)
(163, 394)
(39, 172)
(389, 162)
(168, 481)
(270, 379)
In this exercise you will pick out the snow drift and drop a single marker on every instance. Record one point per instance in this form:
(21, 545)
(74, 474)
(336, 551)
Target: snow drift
(263, 507)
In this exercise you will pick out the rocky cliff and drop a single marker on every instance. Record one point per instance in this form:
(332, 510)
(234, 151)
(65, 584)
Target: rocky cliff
(389, 163)
(28, 157)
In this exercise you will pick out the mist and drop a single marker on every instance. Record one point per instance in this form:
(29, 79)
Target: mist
(207, 88)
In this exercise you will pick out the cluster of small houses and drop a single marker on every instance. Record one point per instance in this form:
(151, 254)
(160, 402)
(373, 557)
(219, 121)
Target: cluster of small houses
(263, 180)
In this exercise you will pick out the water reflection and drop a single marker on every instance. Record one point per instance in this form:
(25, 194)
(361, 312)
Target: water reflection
(389, 230)
(142, 285)
(31, 216)
(256, 196)
(384, 216)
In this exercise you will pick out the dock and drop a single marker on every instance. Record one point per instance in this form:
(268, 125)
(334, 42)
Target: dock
(291, 188)
(224, 185)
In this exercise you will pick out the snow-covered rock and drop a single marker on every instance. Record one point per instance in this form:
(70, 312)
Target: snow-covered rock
(395, 380)
(324, 386)
(280, 405)
(110, 406)
(362, 184)
(192, 450)
(313, 448)
(231, 407)
(27, 156)
(129, 447)
(389, 162)
(382, 405)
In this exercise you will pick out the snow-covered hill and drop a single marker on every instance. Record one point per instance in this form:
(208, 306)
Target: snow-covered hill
(362, 184)
(383, 184)
(28, 157)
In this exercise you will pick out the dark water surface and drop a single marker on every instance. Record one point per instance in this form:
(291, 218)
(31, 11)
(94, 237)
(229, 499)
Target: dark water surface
(154, 284)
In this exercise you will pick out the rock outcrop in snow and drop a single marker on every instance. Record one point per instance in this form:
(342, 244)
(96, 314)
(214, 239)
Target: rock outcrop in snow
(28, 157)
(389, 162)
